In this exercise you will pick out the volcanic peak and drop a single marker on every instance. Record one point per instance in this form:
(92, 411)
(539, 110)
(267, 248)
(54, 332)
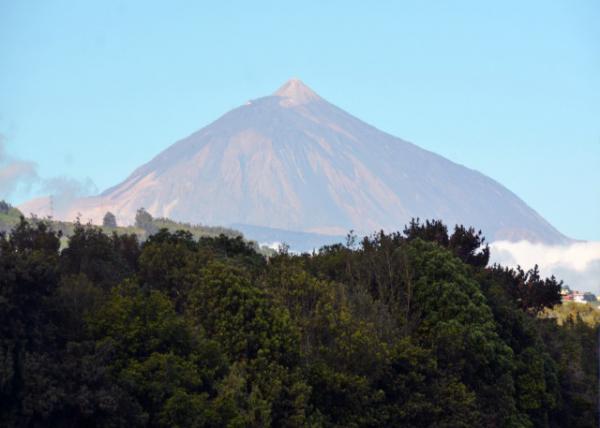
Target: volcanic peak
(296, 92)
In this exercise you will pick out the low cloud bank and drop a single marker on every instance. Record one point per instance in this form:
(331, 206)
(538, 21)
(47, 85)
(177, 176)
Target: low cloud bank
(64, 190)
(18, 176)
(577, 264)
(15, 174)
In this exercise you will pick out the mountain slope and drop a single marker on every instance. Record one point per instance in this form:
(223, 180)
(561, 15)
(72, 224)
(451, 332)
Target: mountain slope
(294, 161)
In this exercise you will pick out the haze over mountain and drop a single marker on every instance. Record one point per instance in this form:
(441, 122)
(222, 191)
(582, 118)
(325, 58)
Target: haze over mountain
(294, 161)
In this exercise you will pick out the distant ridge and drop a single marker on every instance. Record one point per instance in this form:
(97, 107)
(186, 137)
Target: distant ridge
(294, 161)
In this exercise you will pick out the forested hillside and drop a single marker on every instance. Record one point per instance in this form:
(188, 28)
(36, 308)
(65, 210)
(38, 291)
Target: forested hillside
(144, 226)
(407, 329)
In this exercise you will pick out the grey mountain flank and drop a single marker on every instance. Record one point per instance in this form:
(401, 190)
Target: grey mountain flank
(294, 161)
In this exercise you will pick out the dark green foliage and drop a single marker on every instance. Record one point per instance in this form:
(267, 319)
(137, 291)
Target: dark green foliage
(466, 244)
(236, 250)
(29, 337)
(531, 292)
(105, 260)
(169, 263)
(573, 348)
(159, 359)
(405, 329)
(432, 231)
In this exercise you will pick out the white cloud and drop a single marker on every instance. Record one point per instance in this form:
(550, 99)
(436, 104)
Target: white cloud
(15, 174)
(64, 190)
(272, 245)
(21, 176)
(577, 264)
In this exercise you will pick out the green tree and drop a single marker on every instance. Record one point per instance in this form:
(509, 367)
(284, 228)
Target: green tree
(109, 220)
(400, 329)
(259, 338)
(29, 330)
(105, 260)
(144, 221)
(157, 357)
(170, 263)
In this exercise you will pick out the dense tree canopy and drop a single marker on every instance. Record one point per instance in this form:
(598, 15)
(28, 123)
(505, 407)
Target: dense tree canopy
(405, 329)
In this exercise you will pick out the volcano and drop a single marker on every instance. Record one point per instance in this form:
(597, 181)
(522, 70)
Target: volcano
(294, 161)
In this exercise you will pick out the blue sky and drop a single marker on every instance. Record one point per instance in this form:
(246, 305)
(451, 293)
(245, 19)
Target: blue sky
(94, 89)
